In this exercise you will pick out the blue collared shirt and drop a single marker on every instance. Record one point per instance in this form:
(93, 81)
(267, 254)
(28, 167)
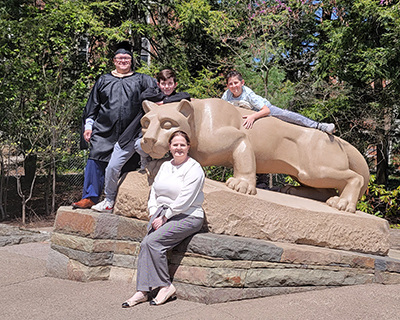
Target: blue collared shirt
(257, 102)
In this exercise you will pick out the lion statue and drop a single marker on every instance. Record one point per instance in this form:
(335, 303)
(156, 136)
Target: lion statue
(312, 157)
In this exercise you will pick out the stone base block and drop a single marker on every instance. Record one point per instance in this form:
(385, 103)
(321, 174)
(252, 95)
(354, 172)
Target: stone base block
(61, 266)
(220, 295)
(122, 274)
(270, 216)
(80, 272)
(208, 268)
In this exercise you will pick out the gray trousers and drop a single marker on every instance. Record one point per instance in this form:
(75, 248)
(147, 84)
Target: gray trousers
(119, 157)
(152, 266)
(292, 117)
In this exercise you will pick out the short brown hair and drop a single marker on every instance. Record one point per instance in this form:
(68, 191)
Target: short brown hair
(233, 73)
(179, 133)
(166, 74)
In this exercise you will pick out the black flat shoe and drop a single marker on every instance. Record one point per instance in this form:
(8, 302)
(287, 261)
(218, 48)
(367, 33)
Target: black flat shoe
(154, 301)
(128, 304)
(169, 296)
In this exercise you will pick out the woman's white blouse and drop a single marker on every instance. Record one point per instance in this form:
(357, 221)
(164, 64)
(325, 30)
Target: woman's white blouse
(178, 187)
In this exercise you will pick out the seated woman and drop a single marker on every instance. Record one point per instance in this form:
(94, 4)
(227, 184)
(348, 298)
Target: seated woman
(175, 213)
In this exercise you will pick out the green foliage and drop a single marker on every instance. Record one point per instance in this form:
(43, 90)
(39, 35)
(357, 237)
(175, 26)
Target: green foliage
(271, 44)
(180, 38)
(360, 52)
(280, 91)
(380, 202)
(291, 181)
(204, 85)
(218, 173)
(51, 54)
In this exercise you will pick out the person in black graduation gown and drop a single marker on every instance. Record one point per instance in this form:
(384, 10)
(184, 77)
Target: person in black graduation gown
(113, 105)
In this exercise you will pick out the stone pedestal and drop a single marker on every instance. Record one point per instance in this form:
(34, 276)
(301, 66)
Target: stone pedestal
(270, 216)
(208, 268)
(252, 246)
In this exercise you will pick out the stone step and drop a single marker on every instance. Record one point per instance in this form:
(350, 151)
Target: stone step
(207, 267)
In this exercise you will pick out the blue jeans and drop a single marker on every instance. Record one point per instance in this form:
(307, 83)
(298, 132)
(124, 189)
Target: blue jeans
(94, 179)
(119, 157)
(292, 117)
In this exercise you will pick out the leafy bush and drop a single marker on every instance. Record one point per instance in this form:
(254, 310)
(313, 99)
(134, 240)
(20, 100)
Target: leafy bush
(380, 202)
(218, 173)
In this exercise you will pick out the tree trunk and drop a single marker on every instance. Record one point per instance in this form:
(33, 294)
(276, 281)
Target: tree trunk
(382, 158)
(5, 195)
(265, 80)
(53, 193)
(46, 194)
(24, 199)
(23, 203)
(30, 168)
(136, 38)
(382, 148)
(2, 190)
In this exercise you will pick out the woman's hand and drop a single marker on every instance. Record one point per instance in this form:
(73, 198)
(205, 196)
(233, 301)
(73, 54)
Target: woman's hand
(158, 222)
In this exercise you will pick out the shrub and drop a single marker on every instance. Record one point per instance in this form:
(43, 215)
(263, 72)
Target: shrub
(380, 202)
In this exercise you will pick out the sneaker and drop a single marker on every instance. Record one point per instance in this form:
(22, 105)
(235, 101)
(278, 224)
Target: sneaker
(104, 206)
(326, 127)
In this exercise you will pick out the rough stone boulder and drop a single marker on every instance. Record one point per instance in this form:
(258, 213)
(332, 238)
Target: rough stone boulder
(270, 216)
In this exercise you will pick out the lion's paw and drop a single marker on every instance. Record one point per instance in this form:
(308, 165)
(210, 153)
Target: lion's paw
(341, 204)
(351, 207)
(153, 166)
(241, 186)
(332, 201)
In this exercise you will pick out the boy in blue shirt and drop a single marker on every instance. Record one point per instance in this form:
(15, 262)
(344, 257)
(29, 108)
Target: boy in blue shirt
(240, 95)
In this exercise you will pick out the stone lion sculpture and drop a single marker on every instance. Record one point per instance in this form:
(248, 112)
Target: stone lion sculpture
(314, 158)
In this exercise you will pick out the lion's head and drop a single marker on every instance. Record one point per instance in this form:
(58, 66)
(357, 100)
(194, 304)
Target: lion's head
(160, 121)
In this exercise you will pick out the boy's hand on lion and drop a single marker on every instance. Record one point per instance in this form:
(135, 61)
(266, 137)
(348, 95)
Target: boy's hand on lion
(248, 121)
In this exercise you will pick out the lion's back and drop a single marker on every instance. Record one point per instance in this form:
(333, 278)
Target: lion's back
(213, 113)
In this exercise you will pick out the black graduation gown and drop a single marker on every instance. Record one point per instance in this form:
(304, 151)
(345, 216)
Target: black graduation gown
(113, 104)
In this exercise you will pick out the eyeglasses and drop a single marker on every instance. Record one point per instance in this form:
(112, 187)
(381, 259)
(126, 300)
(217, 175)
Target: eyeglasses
(122, 59)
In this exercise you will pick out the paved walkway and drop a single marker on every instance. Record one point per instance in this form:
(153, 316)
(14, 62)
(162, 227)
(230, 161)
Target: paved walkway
(27, 294)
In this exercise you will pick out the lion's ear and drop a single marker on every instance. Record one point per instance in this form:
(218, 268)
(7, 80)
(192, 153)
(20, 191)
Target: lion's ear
(148, 106)
(185, 107)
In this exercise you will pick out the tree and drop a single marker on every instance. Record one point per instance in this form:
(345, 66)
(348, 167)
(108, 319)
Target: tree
(51, 55)
(179, 35)
(52, 52)
(362, 55)
(273, 44)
